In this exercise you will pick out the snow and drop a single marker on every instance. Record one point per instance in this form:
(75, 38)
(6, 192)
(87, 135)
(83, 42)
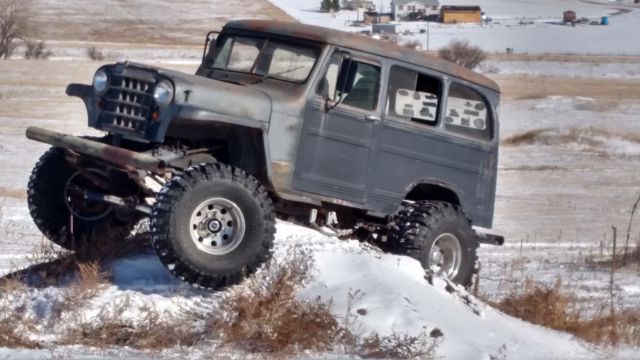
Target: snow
(397, 298)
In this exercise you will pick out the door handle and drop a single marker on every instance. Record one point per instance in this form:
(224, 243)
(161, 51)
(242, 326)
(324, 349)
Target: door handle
(372, 118)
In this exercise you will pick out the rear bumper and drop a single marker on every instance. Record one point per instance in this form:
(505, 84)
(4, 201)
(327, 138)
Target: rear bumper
(118, 156)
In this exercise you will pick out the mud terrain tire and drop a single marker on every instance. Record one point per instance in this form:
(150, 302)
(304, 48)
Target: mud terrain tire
(46, 199)
(417, 227)
(193, 213)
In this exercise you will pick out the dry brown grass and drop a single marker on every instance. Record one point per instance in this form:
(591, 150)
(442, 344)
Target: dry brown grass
(13, 323)
(590, 137)
(13, 193)
(395, 346)
(598, 59)
(147, 332)
(266, 315)
(90, 279)
(525, 87)
(551, 307)
(52, 265)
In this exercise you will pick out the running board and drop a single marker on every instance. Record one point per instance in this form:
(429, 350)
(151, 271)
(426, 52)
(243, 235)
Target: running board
(489, 239)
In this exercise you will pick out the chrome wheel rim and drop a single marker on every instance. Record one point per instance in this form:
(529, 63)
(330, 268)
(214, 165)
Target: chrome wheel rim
(217, 226)
(445, 256)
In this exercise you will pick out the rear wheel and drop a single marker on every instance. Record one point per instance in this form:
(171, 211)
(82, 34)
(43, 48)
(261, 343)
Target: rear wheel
(60, 211)
(437, 234)
(212, 225)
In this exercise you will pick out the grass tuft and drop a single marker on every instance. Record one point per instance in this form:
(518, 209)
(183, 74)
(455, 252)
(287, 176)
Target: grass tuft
(550, 307)
(265, 314)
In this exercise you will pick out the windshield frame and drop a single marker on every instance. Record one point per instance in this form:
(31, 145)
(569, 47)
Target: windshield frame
(265, 40)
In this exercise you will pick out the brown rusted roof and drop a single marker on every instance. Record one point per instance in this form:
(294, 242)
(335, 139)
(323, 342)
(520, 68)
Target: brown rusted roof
(364, 44)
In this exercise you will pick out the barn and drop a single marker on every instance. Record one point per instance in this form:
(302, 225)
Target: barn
(460, 14)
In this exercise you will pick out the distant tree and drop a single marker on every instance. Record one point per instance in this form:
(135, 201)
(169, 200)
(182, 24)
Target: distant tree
(463, 53)
(36, 50)
(14, 25)
(95, 54)
(336, 5)
(326, 5)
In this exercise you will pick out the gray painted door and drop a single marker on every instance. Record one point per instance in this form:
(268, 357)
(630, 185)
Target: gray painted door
(336, 145)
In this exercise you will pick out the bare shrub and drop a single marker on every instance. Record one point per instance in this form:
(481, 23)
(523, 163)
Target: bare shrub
(413, 44)
(266, 315)
(36, 50)
(539, 304)
(463, 53)
(14, 25)
(95, 54)
(90, 279)
(549, 306)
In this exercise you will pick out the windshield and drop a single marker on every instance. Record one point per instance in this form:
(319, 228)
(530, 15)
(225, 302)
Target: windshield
(264, 57)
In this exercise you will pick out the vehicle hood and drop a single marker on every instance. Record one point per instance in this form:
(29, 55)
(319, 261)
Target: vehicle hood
(214, 96)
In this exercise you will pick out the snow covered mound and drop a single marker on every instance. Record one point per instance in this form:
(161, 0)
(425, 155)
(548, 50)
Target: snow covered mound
(382, 293)
(396, 297)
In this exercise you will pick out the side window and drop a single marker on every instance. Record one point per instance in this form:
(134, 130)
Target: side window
(467, 113)
(352, 82)
(413, 96)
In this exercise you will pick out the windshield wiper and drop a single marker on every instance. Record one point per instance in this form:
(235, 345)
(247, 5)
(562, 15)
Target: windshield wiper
(267, 75)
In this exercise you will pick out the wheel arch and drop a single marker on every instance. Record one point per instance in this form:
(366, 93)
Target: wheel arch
(434, 191)
(244, 147)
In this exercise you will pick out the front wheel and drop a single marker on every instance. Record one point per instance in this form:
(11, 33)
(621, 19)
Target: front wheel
(437, 234)
(212, 225)
(63, 215)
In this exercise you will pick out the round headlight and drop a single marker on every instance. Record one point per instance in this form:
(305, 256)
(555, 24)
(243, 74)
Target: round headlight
(100, 81)
(163, 93)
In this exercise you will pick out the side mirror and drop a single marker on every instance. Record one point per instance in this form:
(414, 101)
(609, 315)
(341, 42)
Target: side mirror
(344, 67)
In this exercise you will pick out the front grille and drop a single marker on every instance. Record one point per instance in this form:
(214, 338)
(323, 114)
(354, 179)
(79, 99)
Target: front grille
(128, 105)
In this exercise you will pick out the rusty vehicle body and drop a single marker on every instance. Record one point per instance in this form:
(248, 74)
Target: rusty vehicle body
(345, 135)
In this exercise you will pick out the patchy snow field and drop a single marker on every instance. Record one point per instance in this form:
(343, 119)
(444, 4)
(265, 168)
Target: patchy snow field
(556, 199)
(595, 69)
(541, 30)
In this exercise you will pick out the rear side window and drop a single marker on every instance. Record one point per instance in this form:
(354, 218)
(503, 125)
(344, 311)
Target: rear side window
(413, 96)
(468, 113)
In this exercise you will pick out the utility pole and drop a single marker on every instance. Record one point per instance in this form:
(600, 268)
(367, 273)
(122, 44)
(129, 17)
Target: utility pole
(428, 28)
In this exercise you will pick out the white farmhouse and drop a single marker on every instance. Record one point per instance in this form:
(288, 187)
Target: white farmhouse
(401, 9)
